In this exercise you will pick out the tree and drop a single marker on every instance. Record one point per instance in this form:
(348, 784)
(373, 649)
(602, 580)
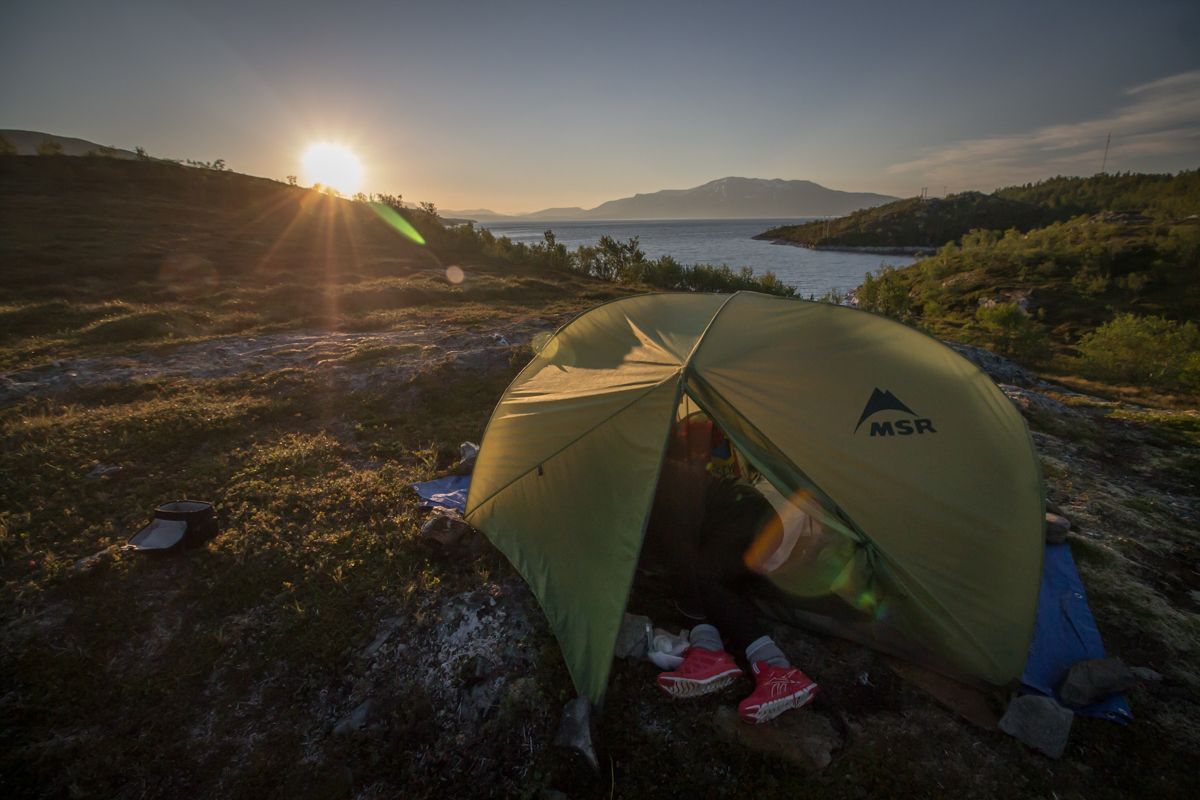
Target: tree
(292, 180)
(141, 152)
(393, 201)
(50, 147)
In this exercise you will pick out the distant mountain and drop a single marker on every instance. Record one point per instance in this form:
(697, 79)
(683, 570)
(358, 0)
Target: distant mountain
(27, 143)
(731, 198)
(726, 198)
(563, 213)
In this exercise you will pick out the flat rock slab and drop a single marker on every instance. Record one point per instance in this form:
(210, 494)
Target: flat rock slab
(1039, 722)
(801, 737)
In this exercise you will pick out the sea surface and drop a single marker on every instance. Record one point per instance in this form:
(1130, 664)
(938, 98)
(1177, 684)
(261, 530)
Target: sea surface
(718, 241)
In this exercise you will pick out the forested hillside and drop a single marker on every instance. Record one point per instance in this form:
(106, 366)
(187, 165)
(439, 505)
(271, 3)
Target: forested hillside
(932, 222)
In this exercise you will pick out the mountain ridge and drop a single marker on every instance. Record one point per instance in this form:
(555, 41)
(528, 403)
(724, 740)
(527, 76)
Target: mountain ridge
(724, 198)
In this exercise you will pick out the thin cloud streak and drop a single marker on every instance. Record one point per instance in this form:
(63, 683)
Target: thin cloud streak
(1159, 119)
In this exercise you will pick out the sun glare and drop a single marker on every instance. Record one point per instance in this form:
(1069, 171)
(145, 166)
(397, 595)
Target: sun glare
(334, 166)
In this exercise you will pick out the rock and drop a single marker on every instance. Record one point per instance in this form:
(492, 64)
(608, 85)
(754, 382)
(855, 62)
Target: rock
(386, 629)
(357, 720)
(801, 737)
(575, 730)
(1146, 674)
(1039, 722)
(1089, 681)
(998, 368)
(1056, 528)
(103, 471)
(445, 529)
(1059, 414)
(89, 562)
(633, 638)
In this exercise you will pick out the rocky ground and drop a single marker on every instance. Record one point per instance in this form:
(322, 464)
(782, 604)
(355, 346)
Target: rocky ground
(322, 647)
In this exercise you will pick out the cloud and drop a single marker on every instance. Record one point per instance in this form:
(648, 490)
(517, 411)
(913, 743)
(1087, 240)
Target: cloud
(1156, 120)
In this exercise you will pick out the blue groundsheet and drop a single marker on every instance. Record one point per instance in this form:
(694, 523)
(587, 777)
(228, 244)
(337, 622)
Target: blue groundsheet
(1065, 633)
(448, 493)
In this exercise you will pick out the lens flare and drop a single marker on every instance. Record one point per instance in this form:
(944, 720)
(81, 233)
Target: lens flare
(454, 274)
(397, 222)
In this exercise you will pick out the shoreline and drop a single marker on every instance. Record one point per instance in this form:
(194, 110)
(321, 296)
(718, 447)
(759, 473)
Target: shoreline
(912, 250)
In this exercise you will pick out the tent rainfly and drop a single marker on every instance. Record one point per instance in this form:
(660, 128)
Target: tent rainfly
(923, 474)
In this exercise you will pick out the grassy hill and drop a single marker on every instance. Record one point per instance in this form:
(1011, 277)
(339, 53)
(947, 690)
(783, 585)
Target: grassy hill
(171, 333)
(98, 254)
(931, 223)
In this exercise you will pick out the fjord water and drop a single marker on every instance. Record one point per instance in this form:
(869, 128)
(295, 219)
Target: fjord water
(719, 241)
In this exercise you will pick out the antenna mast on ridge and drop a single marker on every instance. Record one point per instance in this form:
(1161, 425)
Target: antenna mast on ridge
(1104, 164)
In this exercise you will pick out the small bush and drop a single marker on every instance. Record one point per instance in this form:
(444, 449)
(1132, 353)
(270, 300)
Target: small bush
(1145, 350)
(1011, 332)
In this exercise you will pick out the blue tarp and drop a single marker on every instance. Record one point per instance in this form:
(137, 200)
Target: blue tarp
(1065, 633)
(449, 492)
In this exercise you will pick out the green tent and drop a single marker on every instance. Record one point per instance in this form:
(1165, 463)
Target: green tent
(921, 472)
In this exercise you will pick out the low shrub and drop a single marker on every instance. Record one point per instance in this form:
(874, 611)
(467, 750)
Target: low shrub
(1144, 349)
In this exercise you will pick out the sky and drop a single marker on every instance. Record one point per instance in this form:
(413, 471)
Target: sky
(518, 106)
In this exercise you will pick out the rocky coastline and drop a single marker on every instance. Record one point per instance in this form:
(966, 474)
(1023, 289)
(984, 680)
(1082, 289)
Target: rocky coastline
(914, 250)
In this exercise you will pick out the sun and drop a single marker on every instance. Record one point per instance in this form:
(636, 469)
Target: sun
(333, 165)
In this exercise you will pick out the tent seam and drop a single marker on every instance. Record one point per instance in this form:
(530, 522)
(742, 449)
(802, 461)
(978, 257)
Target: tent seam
(687, 362)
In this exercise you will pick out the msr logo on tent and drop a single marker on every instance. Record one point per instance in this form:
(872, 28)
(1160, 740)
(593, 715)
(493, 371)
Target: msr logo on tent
(886, 401)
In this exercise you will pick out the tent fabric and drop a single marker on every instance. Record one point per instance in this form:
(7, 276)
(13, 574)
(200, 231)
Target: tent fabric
(1065, 633)
(918, 461)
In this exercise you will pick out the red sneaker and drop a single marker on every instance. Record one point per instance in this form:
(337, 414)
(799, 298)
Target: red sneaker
(778, 689)
(702, 672)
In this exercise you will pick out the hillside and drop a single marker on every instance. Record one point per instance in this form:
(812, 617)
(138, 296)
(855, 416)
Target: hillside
(1111, 297)
(917, 223)
(26, 143)
(101, 253)
(912, 223)
(726, 198)
(170, 333)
